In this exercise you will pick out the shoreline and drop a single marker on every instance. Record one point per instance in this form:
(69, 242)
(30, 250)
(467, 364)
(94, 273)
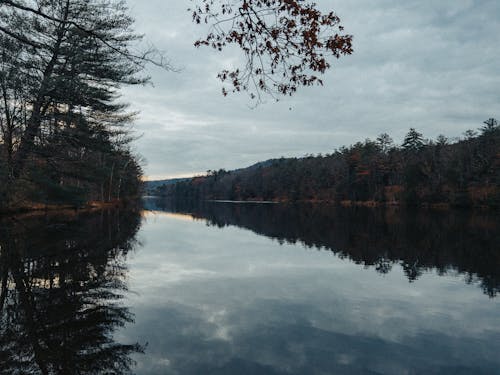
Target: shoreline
(348, 203)
(40, 209)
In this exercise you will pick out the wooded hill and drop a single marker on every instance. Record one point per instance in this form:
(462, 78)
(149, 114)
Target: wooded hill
(465, 172)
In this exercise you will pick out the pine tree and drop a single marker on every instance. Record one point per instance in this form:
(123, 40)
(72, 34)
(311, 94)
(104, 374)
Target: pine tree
(385, 142)
(413, 141)
(491, 127)
(70, 130)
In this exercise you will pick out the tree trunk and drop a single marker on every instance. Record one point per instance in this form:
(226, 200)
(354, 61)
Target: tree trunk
(28, 138)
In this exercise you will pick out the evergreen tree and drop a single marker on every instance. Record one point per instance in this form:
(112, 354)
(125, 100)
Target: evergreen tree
(385, 142)
(65, 132)
(490, 127)
(413, 141)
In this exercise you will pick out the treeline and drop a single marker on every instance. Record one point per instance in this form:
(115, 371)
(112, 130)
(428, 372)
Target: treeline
(465, 172)
(63, 135)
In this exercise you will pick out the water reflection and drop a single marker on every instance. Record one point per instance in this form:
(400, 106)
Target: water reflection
(449, 241)
(212, 297)
(62, 278)
(211, 301)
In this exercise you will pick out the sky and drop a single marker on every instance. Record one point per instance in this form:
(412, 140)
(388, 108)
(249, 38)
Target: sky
(431, 65)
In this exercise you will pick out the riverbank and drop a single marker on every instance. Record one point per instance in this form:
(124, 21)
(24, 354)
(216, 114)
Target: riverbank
(40, 208)
(343, 203)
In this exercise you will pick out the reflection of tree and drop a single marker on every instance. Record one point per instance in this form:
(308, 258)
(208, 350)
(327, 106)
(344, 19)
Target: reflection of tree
(419, 241)
(61, 286)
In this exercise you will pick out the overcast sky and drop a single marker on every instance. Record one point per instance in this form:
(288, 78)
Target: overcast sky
(433, 65)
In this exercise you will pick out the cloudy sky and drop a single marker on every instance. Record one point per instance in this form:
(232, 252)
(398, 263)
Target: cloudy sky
(432, 65)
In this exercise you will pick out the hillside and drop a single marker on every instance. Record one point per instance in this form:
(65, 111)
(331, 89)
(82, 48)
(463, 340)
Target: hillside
(465, 173)
(151, 187)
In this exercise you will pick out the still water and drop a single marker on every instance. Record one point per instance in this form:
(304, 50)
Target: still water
(223, 288)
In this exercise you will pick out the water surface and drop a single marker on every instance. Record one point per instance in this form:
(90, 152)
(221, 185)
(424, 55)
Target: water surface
(267, 289)
(223, 288)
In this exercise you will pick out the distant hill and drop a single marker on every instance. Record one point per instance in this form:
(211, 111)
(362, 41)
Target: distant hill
(260, 164)
(462, 172)
(151, 186)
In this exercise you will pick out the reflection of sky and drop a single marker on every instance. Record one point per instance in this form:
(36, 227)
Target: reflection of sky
(226, 301)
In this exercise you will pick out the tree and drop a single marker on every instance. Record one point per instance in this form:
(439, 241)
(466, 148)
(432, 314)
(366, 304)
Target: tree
(385, 142)
(413, 141)
(441, 140)
(469, 134)
(78, 72)
(60, 76)
(491, 126)
(285, 42)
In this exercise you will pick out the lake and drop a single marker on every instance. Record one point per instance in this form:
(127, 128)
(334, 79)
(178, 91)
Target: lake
(247, 288)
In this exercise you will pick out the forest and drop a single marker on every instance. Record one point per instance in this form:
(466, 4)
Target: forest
(63, 136)
(461, 173)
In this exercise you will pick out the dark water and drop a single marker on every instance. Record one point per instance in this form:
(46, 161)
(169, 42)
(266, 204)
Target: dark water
(221, 288)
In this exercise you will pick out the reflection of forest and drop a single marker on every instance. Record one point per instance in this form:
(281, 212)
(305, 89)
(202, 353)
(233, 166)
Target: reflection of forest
(452, 241)
(62, 278)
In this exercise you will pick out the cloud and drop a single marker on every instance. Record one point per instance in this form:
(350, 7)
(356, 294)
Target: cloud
(424, 64)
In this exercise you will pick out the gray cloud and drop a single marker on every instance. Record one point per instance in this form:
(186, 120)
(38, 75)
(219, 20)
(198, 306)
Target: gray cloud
(424, 64)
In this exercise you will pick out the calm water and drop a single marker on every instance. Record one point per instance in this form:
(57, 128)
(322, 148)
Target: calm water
(221, 288)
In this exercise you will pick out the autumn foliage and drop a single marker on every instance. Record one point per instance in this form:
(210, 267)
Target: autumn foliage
(465, 172)
(286, 43)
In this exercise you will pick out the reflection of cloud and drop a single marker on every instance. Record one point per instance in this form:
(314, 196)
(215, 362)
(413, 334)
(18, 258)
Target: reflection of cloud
(214, 300)
(171, 273)
(281, 339)
(165, 362)
(217, 318)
